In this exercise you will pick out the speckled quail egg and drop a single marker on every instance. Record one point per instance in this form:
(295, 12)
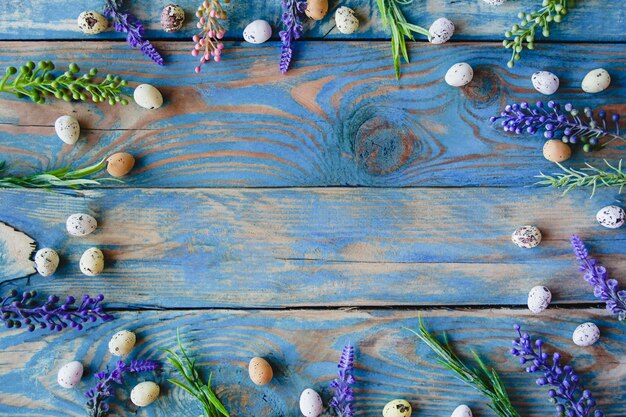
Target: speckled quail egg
(260, 371)
(92, 23)
(80, 224)
(539, 299)
(46, 261)
(397, 408)
(148, 97)
(586, 334)
(596, 80)
(120, 164)
(441, 31)
(311, 403)
(494, 2)
(172, 18)
(145, 393)
(545, 82)
(611, 217)
(459, 75)
(257, 32)
(526, 237)
(122, 343)
(346, 20)
(67, 129)
(316, 9)
(555, 150)
(462, 411)
(92, 262)
(70, 374)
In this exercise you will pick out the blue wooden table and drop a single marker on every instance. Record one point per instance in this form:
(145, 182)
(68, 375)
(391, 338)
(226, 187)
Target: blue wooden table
(283, 216)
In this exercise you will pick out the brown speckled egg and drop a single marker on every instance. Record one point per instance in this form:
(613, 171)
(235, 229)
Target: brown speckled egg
(260, 370)
(555, 150)
(120, 164)
(316, 9)
(144, 393)
(122, 343)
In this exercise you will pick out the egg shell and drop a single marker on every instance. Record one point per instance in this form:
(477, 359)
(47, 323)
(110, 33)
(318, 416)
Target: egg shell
(311, 403)
(92, 262)
(441, 31)
(611, 217)
(526, 237)
(172, 18)
(67, 129)
(596, 80)
(397, 408)
(92, 23)
(462, 411)
(260, 371)
(494, 2)
(316, 9)
(545, 82)
(145, 393)
(120, 164)
(555, 150)
(586, 334)
(459, 74)
(70, 374)
(257, 32)
(346, 20)
(148, 97)
(46, 261)
(539, 299)
(80, 224)
(122, 343)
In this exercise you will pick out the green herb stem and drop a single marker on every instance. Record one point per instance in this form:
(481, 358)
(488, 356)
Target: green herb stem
(588, 177)
(59, 178)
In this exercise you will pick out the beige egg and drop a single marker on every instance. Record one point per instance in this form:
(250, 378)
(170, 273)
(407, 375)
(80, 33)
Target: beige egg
(122, 343)
(316, 9)
(145, 393)
(120, 164)
(260, 370)
(555, 150)
(92, 262)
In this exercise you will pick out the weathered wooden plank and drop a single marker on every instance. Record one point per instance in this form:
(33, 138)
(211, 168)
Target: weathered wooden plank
(323, 247)
(303, 347)
(339, 121)
(56, 19)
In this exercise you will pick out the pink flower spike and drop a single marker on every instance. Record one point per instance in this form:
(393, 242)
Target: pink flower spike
(201, 42)
(220, 46)
(220, 34)
(198, 69)
(202, 21)
(196, 38)
(198, 14)
(217, 58)
(194, 52)
(217, 52)
(212, 13)
(198, 25)
(211, 34)
(207, 57)
(198, 46)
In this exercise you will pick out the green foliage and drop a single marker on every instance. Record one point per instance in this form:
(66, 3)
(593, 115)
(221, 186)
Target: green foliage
(211, 405)
(37, 83)
(483, 379)
(524, 33)
(393, 17)
(589, 176)
(59, 178)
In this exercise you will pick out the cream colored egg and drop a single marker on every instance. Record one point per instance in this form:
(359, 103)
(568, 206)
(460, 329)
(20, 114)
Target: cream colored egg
(397, 408)
(46, 261)
(92, 262)
(311, 403)
(346, 20)
(260, 371)
(148, 97)
(120, 164)
(80, 224)
(92, 23)
(67, 129)
(459, 74)
(586, 334)
(316, 9)
(462, 411)
(555, 150)
(596, 80)
(145, 393)
(122, 343)
(70, 374)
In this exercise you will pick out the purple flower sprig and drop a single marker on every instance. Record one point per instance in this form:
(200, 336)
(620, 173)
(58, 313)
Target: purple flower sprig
(97, 396)
(597, 276)
(133, 27)
(567, 394)
(342, 399)
(18, 310)
(561, 122)
(293, 18)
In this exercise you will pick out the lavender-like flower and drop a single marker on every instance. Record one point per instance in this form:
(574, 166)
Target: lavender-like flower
(341, 402)
(293, 16)
(565, 123)
(597, 276)
(133, 27)
(98, 395)
(16, 311)
(568, 394)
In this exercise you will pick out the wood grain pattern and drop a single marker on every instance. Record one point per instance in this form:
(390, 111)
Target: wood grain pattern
(303, 347)
(56, 19)
(348, 122)
(304, 247)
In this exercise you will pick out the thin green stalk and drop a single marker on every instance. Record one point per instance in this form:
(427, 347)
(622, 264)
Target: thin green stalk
(588, 177)
(484, 380)
(59, 178)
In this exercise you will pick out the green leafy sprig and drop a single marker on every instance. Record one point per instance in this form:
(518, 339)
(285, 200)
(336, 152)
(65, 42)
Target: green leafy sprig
(588, 177)
(36, 82)
(483, 379)
(59, 178)
(524, 33)
(211, 405)
(401, 30)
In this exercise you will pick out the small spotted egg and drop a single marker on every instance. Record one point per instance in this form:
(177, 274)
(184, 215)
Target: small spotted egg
(311, 403)
(494, 2)
(611, 217)
(459, 75)
(545, 82)
(80, 224)
(316, 9)
(586, 334)
(260, 371)
(526, 237)
(172, 18)
(257, 32)
(346, 20)
(148, 97)
(70, 374)
(92, 23)
(596, 80)
(441, 31)
(555, 150)
(539, 299)
(145, 393)
(92, 262)
(122, 343)
(46, 261)
(397, 408)
(67, 129)
(120, 164)
(462, 411)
